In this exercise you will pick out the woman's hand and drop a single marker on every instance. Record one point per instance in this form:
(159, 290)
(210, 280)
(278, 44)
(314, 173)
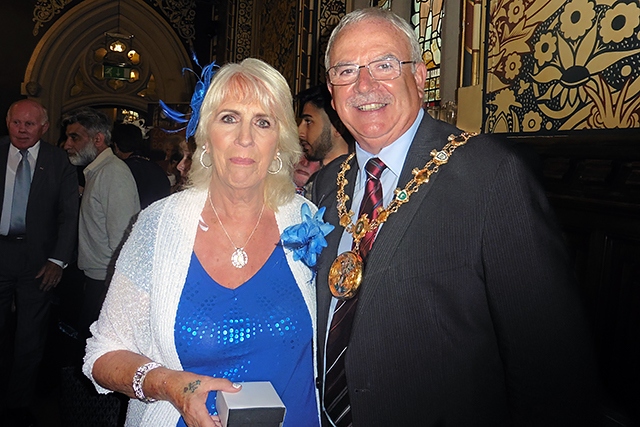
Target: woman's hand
(188, 392)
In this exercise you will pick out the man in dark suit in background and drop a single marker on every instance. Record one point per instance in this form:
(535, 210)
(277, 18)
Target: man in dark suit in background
(38, 230)
(467, 314)
(151, 181)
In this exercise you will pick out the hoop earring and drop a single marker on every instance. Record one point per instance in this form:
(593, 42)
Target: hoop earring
(279, 160)
(202, 156)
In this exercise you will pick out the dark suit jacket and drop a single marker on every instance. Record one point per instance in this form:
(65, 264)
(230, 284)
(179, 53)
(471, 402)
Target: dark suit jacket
(151, 181)
(468, 314)
(52, 210)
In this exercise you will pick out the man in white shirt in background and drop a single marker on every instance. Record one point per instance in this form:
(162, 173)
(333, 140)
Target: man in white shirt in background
(109, 202)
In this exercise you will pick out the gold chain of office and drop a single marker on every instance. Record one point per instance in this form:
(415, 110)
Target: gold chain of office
(420, 176)
(345, 274)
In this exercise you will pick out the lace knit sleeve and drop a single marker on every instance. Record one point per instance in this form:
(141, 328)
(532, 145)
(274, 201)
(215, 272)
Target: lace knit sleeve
(124, 320)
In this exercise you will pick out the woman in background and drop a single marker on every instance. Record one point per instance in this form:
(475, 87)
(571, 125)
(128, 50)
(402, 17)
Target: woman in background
(186, 149)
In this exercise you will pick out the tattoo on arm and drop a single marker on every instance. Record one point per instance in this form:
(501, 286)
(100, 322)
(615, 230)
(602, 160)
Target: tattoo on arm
(192, 387)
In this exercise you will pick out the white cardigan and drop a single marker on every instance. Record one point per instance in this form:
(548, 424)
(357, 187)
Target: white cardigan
(140, 308)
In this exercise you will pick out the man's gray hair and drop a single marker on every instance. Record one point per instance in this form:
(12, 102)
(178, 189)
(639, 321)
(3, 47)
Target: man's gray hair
(375, 14)
(92, 120)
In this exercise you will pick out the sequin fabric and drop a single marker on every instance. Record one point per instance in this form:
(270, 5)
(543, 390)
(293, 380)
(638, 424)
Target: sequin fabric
(259, 331)
(139, 312)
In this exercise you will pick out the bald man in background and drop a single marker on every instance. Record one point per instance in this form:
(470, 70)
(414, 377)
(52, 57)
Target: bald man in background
(38, 231)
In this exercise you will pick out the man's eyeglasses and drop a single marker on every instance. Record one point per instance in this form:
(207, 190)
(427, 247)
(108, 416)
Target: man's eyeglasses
(382, 69)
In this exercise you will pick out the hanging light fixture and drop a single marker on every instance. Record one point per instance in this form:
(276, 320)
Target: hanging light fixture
(121, 59)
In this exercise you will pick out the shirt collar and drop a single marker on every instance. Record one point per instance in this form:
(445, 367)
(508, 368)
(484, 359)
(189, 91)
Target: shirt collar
(33, 150)
(99, 159)
(394, 154)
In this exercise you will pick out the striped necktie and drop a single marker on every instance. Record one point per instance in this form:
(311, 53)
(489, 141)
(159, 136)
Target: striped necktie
(17, 225)
(336, 394)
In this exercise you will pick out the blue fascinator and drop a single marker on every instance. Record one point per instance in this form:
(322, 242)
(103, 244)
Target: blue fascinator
(196, 100)
(307, 239)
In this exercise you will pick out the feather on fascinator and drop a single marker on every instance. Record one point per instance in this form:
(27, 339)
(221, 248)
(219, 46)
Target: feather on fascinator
(196, 99)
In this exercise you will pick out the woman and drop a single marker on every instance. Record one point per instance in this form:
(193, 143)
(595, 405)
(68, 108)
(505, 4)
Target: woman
(186, 150)
(203, 285)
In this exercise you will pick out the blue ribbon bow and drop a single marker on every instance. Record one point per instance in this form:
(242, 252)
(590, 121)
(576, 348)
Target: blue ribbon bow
(307, 239)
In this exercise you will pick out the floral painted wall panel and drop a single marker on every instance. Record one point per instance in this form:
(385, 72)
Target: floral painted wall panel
(557, 65)
(331, 11)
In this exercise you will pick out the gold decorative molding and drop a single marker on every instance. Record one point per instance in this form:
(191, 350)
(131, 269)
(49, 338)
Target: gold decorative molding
(181, 14)
(278, 30)
(79, 86)
(149, 92)
(331, 12)
(242, 30)
(44, 11)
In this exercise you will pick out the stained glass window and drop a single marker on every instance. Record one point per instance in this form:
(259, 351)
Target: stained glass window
(427, 18)
(382, 4)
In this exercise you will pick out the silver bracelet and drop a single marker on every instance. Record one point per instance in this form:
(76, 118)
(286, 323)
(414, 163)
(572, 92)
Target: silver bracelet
(138, 380)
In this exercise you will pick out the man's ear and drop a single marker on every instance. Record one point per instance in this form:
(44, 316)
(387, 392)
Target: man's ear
(420, 75)
(330, 88)
(338, 131)
(98, 141)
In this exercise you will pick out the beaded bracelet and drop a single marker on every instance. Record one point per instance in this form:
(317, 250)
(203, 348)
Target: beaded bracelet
(138, 379)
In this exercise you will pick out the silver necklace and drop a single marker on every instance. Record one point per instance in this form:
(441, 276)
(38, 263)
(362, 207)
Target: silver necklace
(239, 258)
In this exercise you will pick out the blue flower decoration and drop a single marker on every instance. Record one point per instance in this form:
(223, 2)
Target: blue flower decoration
(307, 238)
(196, 100)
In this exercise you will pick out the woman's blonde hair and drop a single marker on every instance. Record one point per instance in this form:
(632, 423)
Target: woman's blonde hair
(252, 80)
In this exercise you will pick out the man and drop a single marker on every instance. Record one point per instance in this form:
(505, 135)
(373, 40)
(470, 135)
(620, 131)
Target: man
(303, 173)
(38, 226)
(467, 312)
(151, 181)
(322, 135)
(109, 202)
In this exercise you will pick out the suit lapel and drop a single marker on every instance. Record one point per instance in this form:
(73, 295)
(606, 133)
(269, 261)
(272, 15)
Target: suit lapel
(40, 174)
(4, 156)
(328, 199)
(389, 238)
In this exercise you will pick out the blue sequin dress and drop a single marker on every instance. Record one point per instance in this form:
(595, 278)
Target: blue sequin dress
(260, 331)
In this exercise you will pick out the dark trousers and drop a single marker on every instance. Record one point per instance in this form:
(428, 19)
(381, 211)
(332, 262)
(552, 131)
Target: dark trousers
(22, 347)
(94, 293)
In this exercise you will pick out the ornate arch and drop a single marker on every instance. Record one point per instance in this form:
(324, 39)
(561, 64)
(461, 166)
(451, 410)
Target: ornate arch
(59, 73)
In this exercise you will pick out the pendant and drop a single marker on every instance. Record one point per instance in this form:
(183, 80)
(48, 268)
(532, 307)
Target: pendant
(239, 258)
(345, 275)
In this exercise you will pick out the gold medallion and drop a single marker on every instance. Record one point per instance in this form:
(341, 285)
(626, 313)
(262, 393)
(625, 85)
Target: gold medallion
(345, 275)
